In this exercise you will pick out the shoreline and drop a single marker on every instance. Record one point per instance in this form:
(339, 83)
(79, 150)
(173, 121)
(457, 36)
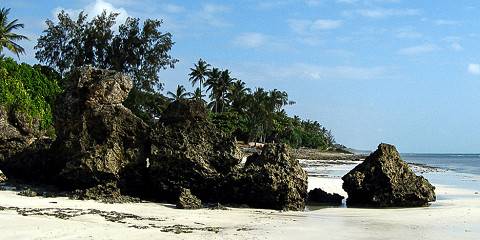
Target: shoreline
(453, 216)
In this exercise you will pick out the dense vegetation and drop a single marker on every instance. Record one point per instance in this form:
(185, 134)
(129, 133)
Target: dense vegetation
(27, 89)
(141, 50)
(138, 49)
(248, 115)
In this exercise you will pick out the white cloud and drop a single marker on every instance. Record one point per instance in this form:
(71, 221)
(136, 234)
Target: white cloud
(173, 8)
(443, 22)
(326, 24)
(210, 14)
(456, 46)
(386, 12)
(96, 8)
(304, 26)
(474, 68)
(407, 32)
(251, 40)
(307, 71)
(419, 49)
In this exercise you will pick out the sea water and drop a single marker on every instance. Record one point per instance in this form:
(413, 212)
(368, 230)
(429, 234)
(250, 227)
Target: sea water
(461, 163)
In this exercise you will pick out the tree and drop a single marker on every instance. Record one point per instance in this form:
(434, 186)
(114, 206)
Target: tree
(8, 38)
(237, 96)
(137, 49)
(199, 73)
(180, 94)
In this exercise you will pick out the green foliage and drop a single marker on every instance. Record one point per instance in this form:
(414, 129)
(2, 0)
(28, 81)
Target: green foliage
(231, 123)
(8, 38)
(138, 49)
(254, 116)
(25, 88)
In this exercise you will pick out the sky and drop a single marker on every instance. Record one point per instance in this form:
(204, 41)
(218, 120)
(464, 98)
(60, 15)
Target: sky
(405, 72)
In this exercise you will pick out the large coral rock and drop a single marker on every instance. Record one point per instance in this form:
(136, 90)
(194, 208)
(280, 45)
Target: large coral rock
(274, 179)
(15, 135)
(98, 139)
(189, 152)
(186, 200)
(384, 180)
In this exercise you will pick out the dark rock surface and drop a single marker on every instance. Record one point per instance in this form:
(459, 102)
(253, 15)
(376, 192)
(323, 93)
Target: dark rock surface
(97, 137)
(384, 180)
(319, 197)
(273, 179)
(13, 138)
(189, 152)
(3, 178)
(186, 200)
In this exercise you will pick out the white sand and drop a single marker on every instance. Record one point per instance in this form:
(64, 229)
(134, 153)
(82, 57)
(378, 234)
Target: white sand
(456, 215)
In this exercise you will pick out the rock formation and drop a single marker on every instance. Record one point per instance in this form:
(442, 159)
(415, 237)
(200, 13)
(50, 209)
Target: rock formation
(98, 139)
(186, 200)
(189, 152)
(14, 134)
(384, 180)
(273, 179)
(319, 197)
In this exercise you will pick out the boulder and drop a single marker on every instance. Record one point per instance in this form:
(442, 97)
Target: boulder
(186, 200)
(385, 180)
(98, 139)
(13, 138)
(319, 197)
(189, 152)
(273, 179)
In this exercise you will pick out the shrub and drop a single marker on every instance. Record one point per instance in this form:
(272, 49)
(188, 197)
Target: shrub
(26, 89)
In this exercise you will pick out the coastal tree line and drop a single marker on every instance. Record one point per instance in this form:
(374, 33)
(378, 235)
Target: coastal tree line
(142, 50)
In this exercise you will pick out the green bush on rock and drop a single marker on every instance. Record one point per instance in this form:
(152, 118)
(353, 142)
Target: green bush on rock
(26, 89)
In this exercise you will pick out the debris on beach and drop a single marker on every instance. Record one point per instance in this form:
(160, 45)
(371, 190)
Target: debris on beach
(385, 180)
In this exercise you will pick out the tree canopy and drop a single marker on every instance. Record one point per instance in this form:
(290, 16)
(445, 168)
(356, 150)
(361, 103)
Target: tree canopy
(8, 38)
(138, 49)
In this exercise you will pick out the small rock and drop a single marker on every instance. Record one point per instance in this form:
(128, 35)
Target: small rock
(3, 178)
(318, 196)
(28, 193)
(187, 200)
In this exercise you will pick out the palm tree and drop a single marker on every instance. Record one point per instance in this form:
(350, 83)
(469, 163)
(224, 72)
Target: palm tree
(237, 94)
(179, 94)
(7, 37)
(213, 86)
(199, 73)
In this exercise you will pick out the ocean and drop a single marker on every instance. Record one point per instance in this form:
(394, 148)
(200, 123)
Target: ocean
(461, 163)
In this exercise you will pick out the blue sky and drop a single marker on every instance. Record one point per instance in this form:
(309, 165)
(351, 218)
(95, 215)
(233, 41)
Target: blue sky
(404, 72)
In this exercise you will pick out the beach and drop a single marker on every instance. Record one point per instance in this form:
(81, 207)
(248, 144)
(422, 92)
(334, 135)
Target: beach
(455, 215)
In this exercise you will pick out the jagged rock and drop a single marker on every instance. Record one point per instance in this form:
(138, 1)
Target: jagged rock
(318, 196)
(12, 139)
(107, 193)
(28, 193)
(273, 179)
(186, 200)
(3, 178)
(97, 137)
(189, 152)
(32, 163)
(384, 180)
